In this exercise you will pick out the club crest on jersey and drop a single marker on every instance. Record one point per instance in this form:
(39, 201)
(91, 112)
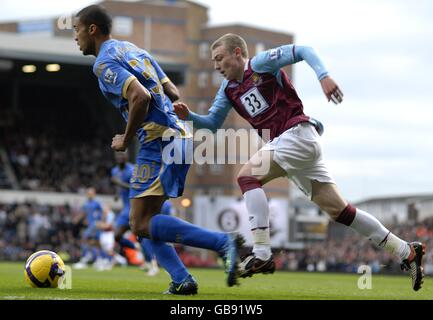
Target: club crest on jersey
(256, 79)
(275, 54)
(110, 76)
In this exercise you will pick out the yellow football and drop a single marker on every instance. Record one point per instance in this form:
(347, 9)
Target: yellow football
(43, 269)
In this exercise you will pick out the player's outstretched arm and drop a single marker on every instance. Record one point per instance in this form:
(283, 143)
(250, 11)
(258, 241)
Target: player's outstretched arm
(212, 121)
(274, 59)
(138, 106)
(331, 90)
(182, 110)
(310, 56)
(329, 86)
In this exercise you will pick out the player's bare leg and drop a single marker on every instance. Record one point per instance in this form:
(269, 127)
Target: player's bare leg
(119, 232)
(258, 171)
(328, 198)
(142, 211)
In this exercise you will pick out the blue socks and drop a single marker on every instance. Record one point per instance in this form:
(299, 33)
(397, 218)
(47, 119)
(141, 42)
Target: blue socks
(146, 248)
(123, 242)
(175, 230)
(171, 229)
(167, 257)
(84, 250)
(96, 253)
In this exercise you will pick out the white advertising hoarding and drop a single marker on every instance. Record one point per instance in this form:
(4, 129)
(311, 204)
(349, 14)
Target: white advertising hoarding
(229, 214)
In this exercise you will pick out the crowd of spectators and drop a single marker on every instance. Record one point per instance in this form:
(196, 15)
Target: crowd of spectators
(49, 162)
(348, 253)
(26, 228)
(29, 227)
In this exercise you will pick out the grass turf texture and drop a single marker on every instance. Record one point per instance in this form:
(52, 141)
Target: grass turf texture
(132, 283)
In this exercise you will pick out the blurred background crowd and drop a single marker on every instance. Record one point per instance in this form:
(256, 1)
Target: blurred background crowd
(28, 227)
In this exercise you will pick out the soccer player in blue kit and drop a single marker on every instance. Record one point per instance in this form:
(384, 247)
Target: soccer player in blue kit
(91, 211)
(121, 174)
(135, 84)
(260, 91)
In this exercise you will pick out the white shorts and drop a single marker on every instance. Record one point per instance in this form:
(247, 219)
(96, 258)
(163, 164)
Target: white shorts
(106, 241)
(298, 151)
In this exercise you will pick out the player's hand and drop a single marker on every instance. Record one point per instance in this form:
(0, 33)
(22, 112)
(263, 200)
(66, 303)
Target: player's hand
(118, 143)
(331, 90)
(181, 109)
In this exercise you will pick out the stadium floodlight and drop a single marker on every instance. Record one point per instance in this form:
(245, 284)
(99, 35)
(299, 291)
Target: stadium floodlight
(54, 67)
(186, 203)
(29, 68)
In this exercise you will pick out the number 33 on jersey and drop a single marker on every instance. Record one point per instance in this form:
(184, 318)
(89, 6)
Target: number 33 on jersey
(254, 102)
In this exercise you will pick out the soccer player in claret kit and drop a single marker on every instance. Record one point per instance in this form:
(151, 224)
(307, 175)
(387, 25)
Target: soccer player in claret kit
(135, 84)
(260, 91)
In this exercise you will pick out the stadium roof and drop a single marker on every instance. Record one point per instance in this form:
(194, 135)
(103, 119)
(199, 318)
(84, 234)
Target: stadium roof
(47, 48)
(41, 48)
(409, 198)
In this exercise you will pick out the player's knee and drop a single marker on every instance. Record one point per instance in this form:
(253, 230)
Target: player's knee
(248, 183)
(333, 213)
(140, 228)
(332, 209)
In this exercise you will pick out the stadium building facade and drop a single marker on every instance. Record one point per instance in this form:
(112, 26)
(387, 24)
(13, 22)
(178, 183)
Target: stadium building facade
(177, 33)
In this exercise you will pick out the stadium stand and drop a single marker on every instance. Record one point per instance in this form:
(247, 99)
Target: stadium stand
(43, 161)
(4, 181)
(25, 228)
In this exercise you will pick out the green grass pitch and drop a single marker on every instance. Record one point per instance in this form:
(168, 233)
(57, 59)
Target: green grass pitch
(132, 284)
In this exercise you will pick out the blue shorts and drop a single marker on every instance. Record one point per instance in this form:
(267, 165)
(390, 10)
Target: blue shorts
(161, 168)
(91, 233)
(122, 219)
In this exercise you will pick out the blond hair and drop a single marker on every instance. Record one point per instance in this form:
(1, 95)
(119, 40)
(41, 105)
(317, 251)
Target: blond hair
(231, 41)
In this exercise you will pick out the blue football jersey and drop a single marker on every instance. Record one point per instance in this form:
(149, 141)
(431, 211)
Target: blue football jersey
(117, 65)
(93, 211)
(123, 175)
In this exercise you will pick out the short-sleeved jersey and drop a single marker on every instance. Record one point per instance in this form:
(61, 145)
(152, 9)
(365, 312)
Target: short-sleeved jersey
(117, 65)
(93, 211)
(125, 176)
